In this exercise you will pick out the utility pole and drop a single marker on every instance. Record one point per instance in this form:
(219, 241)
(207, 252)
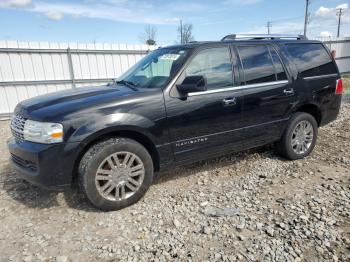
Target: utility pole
(181, 33)
(269, 25)
(306, 16)
(340, 13)
(150, 36)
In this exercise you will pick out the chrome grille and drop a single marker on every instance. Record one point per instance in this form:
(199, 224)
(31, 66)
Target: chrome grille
(17, 126)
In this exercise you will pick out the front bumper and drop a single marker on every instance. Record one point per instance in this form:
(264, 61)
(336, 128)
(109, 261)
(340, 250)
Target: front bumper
(48, 166)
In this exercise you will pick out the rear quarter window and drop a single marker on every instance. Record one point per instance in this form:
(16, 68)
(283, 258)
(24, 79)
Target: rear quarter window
(311, 59)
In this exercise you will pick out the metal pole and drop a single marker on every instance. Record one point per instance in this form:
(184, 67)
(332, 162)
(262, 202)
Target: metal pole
(181, 32)
(269, 25)
(306, 16)
(149, 32)
(340, 14)
(71, 70)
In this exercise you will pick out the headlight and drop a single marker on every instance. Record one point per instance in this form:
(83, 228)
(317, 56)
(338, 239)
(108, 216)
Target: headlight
(45, 133)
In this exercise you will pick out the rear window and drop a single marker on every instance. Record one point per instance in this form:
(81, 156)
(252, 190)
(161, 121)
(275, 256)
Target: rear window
(311, 59)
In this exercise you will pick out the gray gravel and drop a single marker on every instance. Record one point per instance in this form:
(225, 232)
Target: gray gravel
(247, 206)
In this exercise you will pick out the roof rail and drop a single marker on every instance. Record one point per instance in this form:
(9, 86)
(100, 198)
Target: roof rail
(262, 37)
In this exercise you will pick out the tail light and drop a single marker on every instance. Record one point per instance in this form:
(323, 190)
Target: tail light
(339, 87)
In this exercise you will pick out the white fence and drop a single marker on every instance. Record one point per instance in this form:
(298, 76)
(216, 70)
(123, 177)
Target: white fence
(29, 69)
(342, 48)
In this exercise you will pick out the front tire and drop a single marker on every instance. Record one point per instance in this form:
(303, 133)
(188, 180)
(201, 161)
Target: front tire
(299, 138)
(115, 173)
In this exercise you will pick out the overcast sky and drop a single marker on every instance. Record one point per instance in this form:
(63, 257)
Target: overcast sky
(123, 21)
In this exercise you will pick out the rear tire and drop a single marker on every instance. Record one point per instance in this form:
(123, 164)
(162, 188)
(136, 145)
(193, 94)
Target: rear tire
(115, 173)
(299, 137)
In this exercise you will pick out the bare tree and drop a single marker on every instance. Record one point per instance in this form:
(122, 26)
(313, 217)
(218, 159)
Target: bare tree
(185, 33)
(149, 35)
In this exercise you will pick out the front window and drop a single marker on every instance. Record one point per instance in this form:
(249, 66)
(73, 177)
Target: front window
(156, 69)
(214, 64)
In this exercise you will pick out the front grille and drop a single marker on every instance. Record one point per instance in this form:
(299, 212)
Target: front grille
(24, 163)
(17, 126)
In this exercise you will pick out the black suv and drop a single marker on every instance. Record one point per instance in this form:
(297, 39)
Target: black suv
(178, 105)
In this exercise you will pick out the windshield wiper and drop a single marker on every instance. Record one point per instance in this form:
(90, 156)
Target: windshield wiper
(129, 84)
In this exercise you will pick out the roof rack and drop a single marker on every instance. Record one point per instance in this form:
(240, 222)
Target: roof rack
(262, 37)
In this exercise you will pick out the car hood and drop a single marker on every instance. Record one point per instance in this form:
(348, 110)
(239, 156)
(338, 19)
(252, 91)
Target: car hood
(60, 104)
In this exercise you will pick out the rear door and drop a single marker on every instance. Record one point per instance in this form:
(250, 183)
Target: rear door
(267, 91)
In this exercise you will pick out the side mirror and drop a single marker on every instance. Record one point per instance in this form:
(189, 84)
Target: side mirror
(193, 84)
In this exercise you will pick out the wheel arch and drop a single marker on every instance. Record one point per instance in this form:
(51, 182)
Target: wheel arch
(311, 109)
(137, 135)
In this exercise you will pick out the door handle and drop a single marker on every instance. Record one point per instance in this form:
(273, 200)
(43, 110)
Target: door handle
(289, 91)
(230, 101)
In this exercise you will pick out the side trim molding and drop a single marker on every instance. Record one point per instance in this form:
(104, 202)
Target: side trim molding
(319, 77)
(238, 88)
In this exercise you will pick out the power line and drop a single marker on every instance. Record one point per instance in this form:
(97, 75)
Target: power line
(340, 13)
(307, 16)
(269, 25)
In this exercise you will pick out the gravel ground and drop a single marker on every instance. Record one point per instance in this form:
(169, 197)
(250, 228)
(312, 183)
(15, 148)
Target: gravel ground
(346, 84)
(248, 206)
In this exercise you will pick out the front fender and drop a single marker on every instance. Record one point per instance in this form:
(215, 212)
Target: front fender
(113, 123)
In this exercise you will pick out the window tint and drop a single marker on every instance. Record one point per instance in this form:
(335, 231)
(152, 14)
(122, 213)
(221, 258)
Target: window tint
(257, 64)
(311, 59)
(280, 73)
(215, 65)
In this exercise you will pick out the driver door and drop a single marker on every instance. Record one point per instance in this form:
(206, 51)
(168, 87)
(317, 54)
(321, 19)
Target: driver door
(206, 123)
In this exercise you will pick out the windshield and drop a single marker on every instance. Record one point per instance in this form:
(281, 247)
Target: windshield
(155, 69)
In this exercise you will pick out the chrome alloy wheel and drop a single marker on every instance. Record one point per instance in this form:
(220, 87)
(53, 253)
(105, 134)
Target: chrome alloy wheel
(119, 176)
(302, 137)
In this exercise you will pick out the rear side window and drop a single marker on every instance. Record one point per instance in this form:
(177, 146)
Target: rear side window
(311, 59)
(257, 64)
(280, 73)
